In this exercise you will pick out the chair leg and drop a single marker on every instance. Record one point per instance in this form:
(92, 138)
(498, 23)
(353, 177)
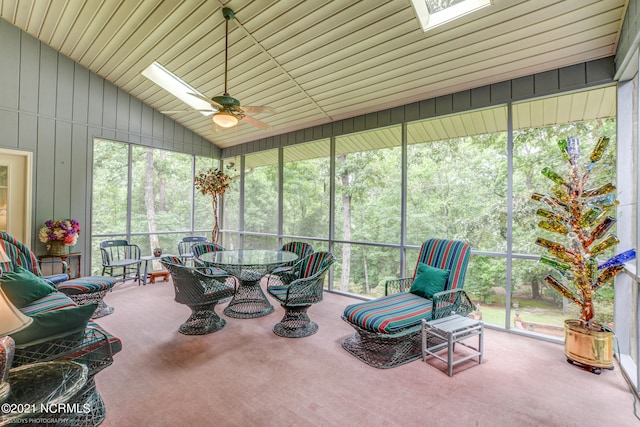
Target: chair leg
(203, 320)
(295, 323)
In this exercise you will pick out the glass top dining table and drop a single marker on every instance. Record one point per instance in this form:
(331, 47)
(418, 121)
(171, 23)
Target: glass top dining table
(249, 266)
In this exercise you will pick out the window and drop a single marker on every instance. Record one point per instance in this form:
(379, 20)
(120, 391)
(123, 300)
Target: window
(306, 184)
(431, 13)
(261, 194)
(538, 126)
(145, 195)
(457, 179)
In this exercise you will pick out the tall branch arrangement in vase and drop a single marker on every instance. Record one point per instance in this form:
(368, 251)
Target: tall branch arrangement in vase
(214, 183)
(582, 216)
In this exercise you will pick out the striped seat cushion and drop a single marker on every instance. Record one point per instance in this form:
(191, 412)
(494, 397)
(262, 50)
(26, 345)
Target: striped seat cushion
(279, 292)
(53, 301)
(389, 314)
(87, 285)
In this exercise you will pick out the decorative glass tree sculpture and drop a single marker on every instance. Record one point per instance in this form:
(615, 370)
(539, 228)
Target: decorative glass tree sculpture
(582, 215)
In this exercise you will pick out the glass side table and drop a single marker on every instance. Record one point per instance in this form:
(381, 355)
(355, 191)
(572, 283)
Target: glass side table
(40, 392)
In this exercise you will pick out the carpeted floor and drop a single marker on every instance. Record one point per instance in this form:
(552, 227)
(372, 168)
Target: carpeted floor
(245, 375)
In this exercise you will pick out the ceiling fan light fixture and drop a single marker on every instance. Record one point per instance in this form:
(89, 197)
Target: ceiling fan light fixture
(225, 119)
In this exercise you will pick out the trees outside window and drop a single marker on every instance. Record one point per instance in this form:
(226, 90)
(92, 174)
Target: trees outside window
(306, 190)
(152, 205)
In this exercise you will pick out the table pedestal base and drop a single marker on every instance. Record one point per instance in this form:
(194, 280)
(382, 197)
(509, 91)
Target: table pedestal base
(248, 302)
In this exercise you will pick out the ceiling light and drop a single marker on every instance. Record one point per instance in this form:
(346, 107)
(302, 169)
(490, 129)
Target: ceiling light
(177, 87)
(225, 119)
(431, 13)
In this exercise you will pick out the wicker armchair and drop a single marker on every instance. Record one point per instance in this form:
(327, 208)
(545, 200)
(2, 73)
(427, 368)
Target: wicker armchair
(184, 247)
(303, 286)
(204, 248)
(388, 329)
(301, 249)
(200, 292)
(121, 259)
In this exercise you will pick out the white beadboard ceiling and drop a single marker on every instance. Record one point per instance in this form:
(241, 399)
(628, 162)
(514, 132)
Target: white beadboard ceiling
(316, 61)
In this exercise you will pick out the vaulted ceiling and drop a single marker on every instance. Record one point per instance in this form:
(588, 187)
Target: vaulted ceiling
(314, 61)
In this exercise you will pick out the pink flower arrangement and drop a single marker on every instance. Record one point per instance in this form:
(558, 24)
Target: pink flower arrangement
(60, 230)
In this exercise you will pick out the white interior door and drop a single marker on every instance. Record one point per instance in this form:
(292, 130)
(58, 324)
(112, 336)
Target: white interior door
(15, 194)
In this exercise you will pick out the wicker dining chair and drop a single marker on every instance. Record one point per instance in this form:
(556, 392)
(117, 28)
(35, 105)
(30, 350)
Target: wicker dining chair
(301, 249)
(200, 292)
(303, 286)
(204, 248)
(184, 247)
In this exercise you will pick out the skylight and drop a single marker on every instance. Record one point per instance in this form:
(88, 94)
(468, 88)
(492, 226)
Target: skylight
(177, 87)
(432, 13)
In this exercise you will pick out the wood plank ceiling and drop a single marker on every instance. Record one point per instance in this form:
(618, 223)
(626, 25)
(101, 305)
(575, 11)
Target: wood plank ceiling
(315, 61)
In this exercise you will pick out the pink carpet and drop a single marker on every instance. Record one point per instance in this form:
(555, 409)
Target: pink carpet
(245, 375)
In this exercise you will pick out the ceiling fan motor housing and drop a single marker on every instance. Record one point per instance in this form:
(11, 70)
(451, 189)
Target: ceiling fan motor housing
(226, 100)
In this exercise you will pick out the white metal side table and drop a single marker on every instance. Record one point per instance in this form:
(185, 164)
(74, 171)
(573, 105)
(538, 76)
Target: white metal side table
(445, 333)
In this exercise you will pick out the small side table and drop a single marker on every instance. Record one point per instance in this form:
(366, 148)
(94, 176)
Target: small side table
(445, 333)
(66, 261)
(37, 389)
(153, 275)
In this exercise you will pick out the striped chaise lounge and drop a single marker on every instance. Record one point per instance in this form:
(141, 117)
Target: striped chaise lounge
(83, 290)
(388, 328)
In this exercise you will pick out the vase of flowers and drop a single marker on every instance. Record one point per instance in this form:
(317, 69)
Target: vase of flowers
(59, 234)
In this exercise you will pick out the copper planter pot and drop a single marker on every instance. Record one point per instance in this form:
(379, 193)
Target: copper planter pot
(588, 347)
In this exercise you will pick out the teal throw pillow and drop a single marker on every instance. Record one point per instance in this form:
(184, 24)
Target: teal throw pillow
(23, 287)
(51, 323)
(429, 280)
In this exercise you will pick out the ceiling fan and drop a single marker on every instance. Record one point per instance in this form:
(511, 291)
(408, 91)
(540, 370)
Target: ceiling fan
(228, 109)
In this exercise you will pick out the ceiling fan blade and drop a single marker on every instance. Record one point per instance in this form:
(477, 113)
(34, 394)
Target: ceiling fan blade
(256, 123)
(258, 109)
(204, 98)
